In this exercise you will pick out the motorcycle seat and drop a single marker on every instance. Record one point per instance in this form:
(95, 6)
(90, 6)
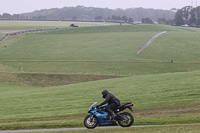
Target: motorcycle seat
(122, 105)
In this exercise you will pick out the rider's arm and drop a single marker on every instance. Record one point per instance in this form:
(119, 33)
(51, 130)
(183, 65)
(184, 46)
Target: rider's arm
(106, 101)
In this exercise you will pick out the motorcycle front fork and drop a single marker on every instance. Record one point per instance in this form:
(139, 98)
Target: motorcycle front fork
(92, 118)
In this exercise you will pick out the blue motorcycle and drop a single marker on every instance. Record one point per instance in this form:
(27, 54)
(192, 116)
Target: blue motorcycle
(99, 116)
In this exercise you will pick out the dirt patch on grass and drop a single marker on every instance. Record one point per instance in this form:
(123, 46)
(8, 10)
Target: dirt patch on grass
(169, 111)
(48, 80)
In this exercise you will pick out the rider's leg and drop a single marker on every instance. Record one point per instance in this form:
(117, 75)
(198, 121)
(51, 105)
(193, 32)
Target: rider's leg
(110, 109)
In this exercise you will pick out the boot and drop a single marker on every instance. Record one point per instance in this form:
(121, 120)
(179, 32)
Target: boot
(112, 113)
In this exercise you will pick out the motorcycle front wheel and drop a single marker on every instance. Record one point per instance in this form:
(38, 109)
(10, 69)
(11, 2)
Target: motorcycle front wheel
(90, 123)
(127, 121)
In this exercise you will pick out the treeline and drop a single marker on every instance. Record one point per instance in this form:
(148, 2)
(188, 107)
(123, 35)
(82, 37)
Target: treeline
(94, 14)
(188, 15)
(14, 16)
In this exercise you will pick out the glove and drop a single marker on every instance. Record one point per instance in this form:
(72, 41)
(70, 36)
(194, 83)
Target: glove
(98, 106)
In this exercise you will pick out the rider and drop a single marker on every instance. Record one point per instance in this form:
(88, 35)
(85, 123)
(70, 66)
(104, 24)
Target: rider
(112, 101)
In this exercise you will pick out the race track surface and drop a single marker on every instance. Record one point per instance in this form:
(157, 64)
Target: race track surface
(9, 31)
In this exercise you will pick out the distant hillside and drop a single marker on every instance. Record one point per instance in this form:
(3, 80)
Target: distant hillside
(91, 13)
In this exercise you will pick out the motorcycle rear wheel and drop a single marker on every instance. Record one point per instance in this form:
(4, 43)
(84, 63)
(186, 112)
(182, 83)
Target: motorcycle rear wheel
(128, 119)
(90, 123)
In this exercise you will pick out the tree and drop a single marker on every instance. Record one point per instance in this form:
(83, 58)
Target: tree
(74, 18)
(130, 20)
(179, 18)
(40, 17)
(161, 21)
(113, 17)
(124, 18)
(6, 16)
(170, 22)
(198, 15)
(16, 16)
(98, 18)
(121, 19)
(91, 12)
(147, 21)
(186, 13)
(193, 17)
(109, 18)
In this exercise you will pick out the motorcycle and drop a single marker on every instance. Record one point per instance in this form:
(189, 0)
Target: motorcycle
(99, 116)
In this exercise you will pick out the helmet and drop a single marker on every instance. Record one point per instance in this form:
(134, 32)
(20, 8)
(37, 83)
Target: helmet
(104, 93)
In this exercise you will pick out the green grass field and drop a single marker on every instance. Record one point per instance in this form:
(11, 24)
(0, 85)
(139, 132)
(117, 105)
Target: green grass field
(102, 50)
(2, 35)
(25, 25)
(163, 92)
(155, 97)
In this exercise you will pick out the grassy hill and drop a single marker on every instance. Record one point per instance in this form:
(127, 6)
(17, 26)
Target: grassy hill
(163, 92)
(154, 96)
(26, 25)
(108, 50)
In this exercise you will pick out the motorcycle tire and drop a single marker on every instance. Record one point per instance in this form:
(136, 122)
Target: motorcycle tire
(90, 124)
(128, 119)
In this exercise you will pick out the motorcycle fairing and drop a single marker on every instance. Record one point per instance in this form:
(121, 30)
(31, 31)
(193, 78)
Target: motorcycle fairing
(100, 115)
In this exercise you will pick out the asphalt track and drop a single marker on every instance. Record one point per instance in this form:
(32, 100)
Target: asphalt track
(9, 31)
(149, 42)
(83, 128)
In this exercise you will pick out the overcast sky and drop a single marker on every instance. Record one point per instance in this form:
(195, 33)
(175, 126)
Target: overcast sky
(23, 6)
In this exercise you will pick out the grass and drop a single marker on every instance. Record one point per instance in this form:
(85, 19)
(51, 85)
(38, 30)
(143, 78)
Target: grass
(63, 106)
(121, 68)
(93, 52)
(48, 80)
(75, 47)
(182, 47)
(117, 28)
(25, 25)
(2, 35)
(163, 92)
